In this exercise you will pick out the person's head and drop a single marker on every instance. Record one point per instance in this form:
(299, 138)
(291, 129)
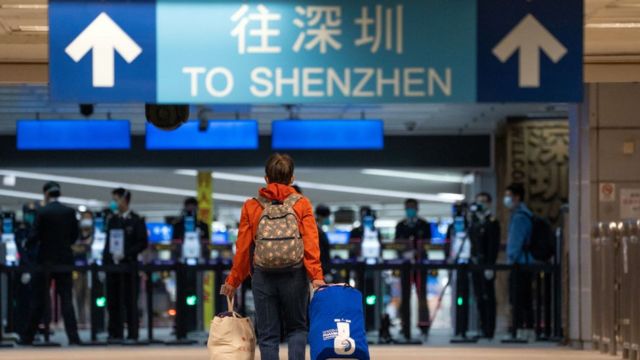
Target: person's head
(484, 200)
(51, 191)
(411, 208)
(120, 199)
(86, 222)
(191, 205)
(367, 216)
(514, 195)
(279, 169)
(323, 214)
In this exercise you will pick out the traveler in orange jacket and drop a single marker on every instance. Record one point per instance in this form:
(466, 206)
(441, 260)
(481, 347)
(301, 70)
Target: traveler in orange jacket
(278, 291)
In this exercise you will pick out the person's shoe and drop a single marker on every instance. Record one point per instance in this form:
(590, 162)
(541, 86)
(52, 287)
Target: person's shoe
(114, 340)
(75, 342)
(24, 342)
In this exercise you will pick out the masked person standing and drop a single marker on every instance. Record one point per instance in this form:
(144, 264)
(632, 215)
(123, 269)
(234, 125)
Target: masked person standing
(278, 291)
(126, 239)
(81, 251)
(54, 231)
(418, 232)
(519, 235)
(484, 233)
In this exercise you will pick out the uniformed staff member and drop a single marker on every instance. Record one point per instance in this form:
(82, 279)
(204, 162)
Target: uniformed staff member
(484, 233)
(126, 239)
(418, 232)
(54, 231)
(191, 208)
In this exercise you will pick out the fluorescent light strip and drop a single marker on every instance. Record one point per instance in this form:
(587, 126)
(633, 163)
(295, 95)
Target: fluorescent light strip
(63, 199)
(444, 198)
(456, 179)
(621, 25)
(114, 184)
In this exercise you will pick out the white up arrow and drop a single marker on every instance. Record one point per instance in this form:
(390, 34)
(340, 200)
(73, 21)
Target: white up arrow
(104, 37)
(530, 37)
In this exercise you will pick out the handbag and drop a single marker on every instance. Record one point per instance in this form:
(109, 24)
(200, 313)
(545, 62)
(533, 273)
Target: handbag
(231, 336)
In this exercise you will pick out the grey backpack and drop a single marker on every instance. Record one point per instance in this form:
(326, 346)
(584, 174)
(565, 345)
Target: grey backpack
(278, 243)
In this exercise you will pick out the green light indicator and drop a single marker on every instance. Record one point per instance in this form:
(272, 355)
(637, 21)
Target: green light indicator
(460, 301)
(192, 300)
(101, 302)
(371, 300)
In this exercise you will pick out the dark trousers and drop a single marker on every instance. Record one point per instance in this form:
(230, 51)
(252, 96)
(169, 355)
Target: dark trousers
(521, 296)
(276, 295)
(419, 279)
(122, 298)
(39, 307)
(485, 291)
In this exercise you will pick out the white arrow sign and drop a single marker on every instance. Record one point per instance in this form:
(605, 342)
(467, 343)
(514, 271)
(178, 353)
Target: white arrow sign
(104, 37)
(530, 37)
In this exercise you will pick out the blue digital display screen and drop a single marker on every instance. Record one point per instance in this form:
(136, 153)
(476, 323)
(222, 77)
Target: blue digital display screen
(73, 135)
(327, 135)
(7, 225)
(338, 237)
(220, 238)
(159, 232)
(219, 135)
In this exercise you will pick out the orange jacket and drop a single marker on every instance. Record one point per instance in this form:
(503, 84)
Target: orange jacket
(249, 218)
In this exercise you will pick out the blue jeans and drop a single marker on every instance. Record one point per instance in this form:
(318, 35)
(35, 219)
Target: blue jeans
(287, 294)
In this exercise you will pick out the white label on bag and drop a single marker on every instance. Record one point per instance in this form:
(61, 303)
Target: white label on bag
(343, 344)
(116, 243)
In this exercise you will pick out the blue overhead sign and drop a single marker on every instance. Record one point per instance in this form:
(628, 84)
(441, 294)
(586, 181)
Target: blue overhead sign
(327, 135)
(73, 135)
(316, 51)
(218, 135)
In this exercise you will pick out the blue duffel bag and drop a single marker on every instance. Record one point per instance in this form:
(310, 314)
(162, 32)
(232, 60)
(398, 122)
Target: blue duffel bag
(337, 324)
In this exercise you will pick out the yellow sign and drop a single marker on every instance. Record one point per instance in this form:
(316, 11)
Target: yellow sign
(205, 213)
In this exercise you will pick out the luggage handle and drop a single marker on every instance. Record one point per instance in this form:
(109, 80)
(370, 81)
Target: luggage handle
(326, 286)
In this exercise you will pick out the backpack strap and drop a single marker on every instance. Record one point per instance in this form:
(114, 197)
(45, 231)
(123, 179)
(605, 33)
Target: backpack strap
(292, 199)
(262, 201)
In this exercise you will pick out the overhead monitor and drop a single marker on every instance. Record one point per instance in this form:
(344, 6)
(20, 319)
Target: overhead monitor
(73, 135)
(327, 135)
(218, 135)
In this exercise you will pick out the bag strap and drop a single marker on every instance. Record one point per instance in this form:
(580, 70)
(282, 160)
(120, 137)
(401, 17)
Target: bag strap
(262, 201)
(230, 303)
(292, 199)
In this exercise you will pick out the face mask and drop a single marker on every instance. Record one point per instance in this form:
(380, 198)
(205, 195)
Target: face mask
(28, 218)
(326, 222)
(86, 223)
(411, 213)
(368, 222)
(113, 205)
(508, 202)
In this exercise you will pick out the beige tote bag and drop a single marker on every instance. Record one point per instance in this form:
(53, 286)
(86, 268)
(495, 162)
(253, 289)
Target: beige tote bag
(231, 336)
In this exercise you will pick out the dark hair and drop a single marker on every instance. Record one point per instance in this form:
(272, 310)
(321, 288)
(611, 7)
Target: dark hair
(517, 189)
(366, 211)
(410, 202)
(52, 189)
(323, 210)
(190, 201)
(486, 195)
(122, 193)
(279, 169)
